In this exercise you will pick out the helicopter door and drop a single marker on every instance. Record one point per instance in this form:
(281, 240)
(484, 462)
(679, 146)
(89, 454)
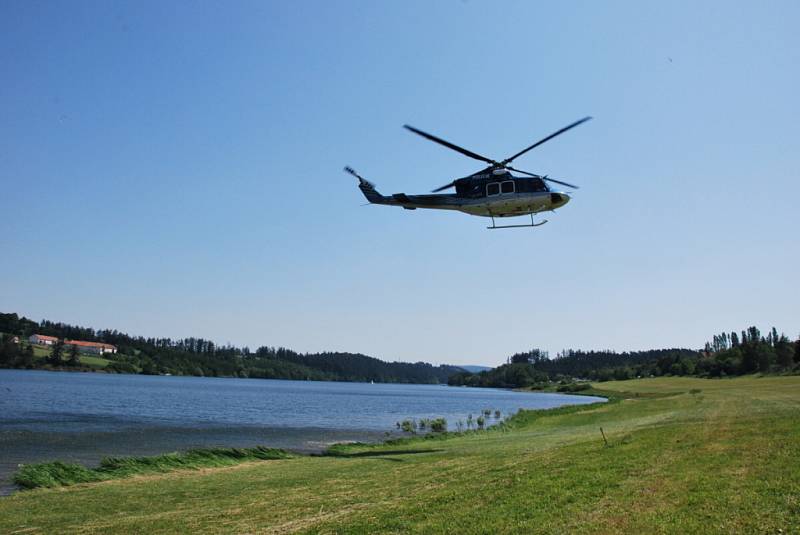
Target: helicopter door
(492, 189)
(507, 186)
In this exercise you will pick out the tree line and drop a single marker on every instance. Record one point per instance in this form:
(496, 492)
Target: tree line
(202, 357)
(727, 354)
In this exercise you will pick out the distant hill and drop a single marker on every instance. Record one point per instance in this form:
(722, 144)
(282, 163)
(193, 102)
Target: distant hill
(476, 369)
(200, 357)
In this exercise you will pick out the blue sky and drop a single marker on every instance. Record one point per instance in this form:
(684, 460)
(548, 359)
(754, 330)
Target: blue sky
(174, 169)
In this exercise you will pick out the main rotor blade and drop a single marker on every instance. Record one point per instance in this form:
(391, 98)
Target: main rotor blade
(442, 188)
(543, 177)
(559, 182)
(449, 145)
(548, 138)
(523, 172)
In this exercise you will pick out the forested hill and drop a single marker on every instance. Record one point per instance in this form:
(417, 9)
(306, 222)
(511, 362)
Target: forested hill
(601, 364)
(728, 354)
(535, 367)
(197, 356)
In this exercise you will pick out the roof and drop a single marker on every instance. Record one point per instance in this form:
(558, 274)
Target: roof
(89, 344)
(45, 337)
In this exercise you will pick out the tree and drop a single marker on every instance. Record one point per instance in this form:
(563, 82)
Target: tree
(784, 352)
(27, 357)
(74, 358)
(749, 360)
(9, 352)
(765, 356)
(753, 334)
(57, 352)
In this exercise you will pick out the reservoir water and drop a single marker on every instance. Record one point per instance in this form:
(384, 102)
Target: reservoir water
(83, 417)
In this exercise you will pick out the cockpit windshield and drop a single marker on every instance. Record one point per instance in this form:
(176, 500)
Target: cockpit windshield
(532, 184)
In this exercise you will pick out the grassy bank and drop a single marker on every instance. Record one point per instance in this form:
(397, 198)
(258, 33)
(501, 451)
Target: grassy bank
(58, 474)
(40, 353)
(683, 456)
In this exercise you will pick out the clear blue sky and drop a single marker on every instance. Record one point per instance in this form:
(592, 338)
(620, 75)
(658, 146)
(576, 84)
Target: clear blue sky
(174, 169)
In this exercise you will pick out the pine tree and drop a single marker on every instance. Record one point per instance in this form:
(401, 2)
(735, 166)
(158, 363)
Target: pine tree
(74, 359)
(27, 357)
(57, 352)
(734, 339)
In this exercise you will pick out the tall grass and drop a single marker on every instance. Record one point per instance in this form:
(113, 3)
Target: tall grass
(59, 474)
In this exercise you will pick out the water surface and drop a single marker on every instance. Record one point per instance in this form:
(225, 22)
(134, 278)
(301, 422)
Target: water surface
(82, 417)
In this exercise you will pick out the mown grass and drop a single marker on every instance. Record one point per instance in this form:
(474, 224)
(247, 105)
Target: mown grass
(42, 352)
(57, 474)
(683, 456)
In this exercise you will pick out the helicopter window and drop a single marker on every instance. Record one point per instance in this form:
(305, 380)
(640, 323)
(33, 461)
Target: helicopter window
(493, 188)
(507, 186)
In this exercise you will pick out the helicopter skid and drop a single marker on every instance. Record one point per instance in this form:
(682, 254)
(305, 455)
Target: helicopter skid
(519, 226)
(531, 224)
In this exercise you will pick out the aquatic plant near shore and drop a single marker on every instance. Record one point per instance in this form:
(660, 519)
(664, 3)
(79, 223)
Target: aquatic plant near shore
(408, 426)
(438, 425)
(57, 473)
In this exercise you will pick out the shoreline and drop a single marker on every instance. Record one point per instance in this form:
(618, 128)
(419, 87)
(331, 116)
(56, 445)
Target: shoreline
(59, 472)
(82, 419)
(90, 369)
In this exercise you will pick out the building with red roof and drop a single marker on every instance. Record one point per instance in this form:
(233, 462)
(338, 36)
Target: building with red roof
(42, 340)
(98, 348)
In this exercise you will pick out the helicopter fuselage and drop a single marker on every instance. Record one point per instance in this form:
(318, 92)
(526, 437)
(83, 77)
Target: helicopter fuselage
(493, 196)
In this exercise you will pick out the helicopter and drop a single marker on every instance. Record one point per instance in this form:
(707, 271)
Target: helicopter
(491, 192)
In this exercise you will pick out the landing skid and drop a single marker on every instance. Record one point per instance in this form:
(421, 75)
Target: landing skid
(532, 224)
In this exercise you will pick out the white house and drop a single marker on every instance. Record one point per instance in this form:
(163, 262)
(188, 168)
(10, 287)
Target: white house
(42, 340)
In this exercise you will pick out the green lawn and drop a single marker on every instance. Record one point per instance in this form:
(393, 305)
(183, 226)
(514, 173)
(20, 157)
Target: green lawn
(724, 459)
(40, 352)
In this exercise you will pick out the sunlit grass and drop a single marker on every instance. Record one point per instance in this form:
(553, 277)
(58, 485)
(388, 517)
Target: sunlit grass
(57, 474)
(42, 352)
(683, 456)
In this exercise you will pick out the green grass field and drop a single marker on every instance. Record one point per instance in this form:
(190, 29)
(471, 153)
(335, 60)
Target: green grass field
(41, 352)
(684, 456)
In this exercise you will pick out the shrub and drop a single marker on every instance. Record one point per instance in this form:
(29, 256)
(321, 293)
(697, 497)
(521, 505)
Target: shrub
(121, 367)
(574, 387)
(439, 425)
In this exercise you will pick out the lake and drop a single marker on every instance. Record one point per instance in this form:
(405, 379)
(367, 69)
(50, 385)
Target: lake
(83, 417)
